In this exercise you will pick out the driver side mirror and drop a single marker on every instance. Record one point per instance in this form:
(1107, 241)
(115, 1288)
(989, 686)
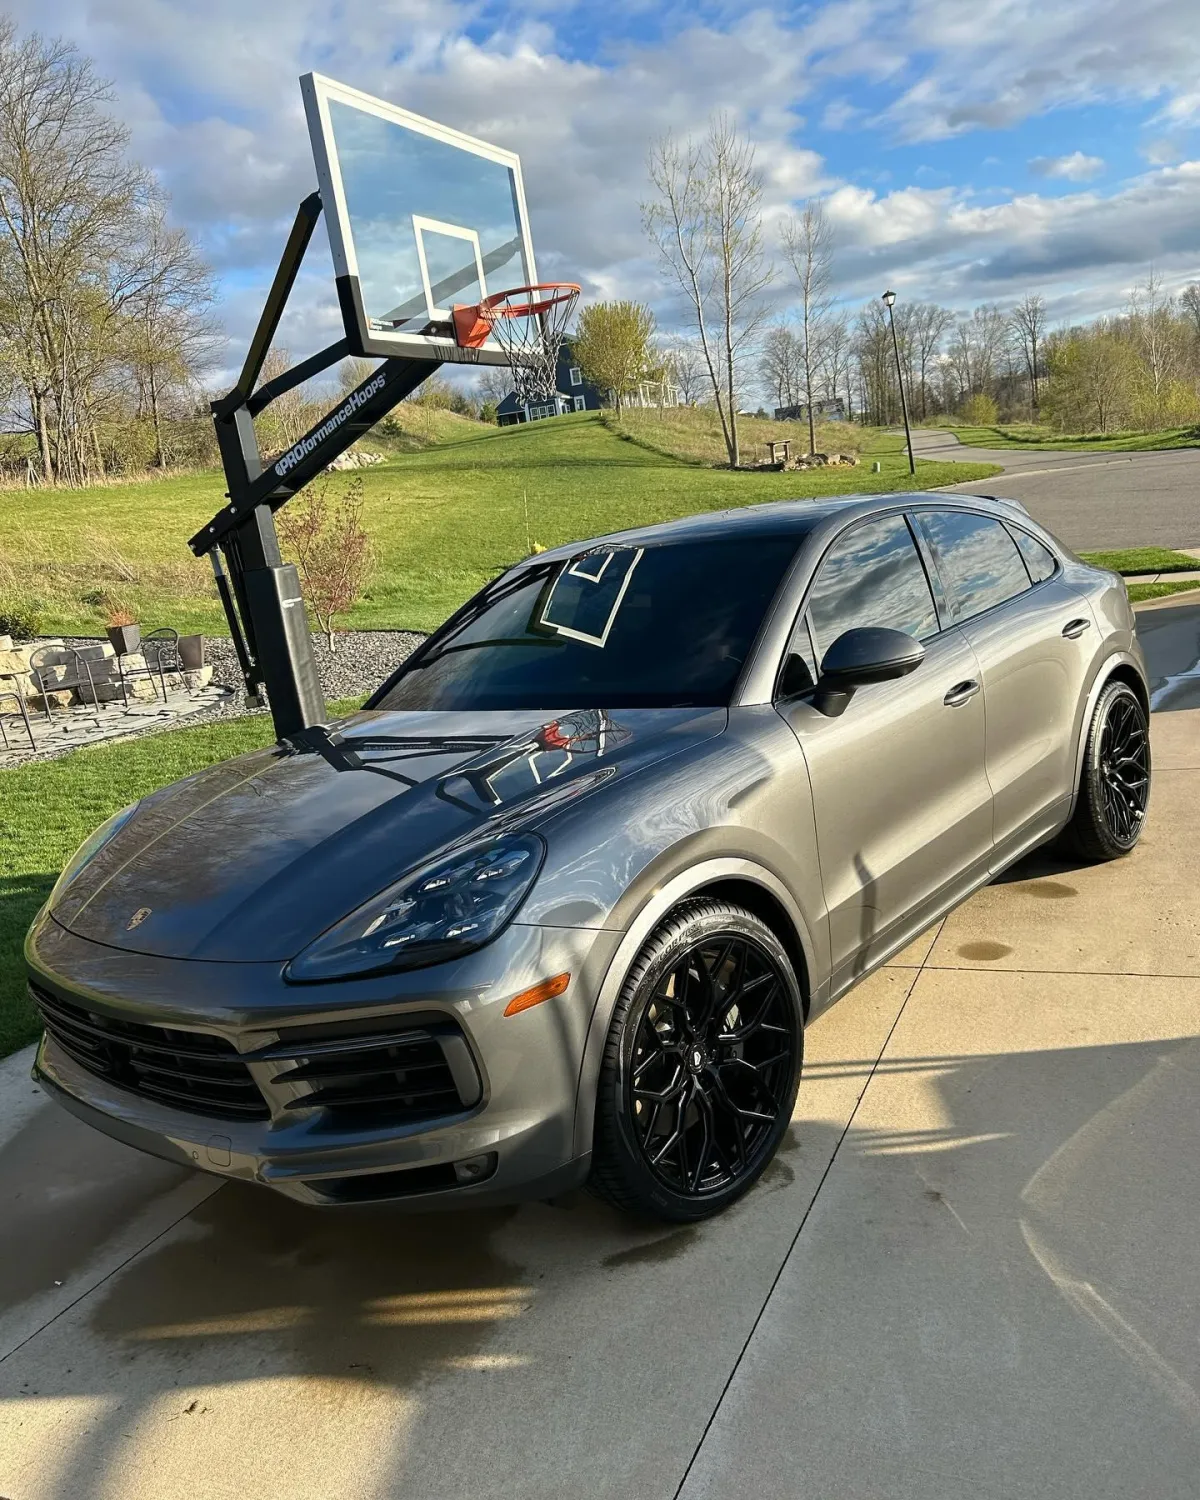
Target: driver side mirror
(861, 656)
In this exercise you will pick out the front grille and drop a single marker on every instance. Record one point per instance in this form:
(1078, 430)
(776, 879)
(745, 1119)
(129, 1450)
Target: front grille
(406, 1075)
(189, 1070)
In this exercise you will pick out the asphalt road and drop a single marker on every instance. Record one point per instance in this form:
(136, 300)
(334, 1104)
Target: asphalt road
(1093, 501)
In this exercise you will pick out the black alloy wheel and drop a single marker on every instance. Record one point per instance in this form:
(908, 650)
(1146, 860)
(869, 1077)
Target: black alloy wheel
(1114, 788)
(703, 1065)
(1124, 768)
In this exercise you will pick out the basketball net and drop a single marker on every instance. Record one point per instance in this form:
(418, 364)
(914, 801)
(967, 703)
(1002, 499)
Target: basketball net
(528, 324)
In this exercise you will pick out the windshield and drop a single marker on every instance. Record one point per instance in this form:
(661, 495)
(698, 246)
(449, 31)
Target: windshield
(659, 626)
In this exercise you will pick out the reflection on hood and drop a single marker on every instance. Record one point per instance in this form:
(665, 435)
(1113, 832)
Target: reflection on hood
(253, 858)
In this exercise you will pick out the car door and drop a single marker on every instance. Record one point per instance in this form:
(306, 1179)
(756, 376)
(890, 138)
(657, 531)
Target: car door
(1034, 638)
(903, 807)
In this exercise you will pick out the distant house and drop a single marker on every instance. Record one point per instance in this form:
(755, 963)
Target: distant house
(573, 394)
(825, 411)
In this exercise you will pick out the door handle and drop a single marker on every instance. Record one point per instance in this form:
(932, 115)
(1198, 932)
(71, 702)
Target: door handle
(960, 693)
(1073, 629)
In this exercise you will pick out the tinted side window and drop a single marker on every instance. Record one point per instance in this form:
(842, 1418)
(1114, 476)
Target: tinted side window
(1038, 558)
(977, 558)
(872, 576)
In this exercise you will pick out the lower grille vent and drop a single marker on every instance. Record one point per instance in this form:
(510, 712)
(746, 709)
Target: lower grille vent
(406, 1075)
(188, 1070)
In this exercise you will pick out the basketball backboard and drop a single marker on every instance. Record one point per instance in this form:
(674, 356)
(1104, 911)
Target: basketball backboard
(420, 217)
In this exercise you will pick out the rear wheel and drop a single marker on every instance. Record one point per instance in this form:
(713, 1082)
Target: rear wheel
(1114, 785)
(701, 1066)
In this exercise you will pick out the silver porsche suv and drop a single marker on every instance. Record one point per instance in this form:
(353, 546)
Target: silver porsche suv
(556, 907)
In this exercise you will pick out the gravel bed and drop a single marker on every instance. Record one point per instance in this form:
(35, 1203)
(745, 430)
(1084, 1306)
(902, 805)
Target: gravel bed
(362, 660)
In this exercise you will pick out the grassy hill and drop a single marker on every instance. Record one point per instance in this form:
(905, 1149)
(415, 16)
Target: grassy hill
(443, 520)
(693, 434)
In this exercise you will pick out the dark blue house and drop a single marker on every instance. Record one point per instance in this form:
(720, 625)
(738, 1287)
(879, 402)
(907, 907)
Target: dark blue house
(574, 394)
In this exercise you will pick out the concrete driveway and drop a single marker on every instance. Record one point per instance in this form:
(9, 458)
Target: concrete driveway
(1093, 501)
(974, 1270)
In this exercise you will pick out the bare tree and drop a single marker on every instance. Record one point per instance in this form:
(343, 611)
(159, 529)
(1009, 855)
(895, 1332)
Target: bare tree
(876, 367)
(706, 223)
(1189, 301)
(290, 415)
(835, 360)
(684, 360)
(1028, 323)
(782, 366)
(169, 331)
(976, 348)
(68, 203)
(928, 324)
(1152, 318)
(808, 246)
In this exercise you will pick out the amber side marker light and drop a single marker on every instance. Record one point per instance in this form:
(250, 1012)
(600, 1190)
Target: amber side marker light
(544, 991)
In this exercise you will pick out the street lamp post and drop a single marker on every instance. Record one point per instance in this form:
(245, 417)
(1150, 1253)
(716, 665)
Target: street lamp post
(889, 299)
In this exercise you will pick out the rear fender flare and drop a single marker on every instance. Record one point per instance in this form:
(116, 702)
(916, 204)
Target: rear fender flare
(1100, 681)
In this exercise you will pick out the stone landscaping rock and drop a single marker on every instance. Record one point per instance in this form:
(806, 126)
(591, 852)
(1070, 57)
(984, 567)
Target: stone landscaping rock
(5, 642)
(14, 659)
(59, 698)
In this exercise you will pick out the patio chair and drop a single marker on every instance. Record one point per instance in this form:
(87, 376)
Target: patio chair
(160, 648)
(18, 696)
(46, 668)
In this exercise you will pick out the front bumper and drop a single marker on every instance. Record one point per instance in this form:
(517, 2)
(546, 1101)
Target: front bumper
(511, 1137)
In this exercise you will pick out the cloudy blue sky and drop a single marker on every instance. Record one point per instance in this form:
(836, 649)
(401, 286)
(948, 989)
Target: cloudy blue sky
(968, 150)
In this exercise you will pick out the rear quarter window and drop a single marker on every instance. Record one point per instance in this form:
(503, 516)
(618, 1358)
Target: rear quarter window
(1039, 559)
(977, 559)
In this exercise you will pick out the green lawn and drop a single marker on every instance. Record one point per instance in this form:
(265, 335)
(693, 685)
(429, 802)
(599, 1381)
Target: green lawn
(48, 808)
(1133, 560)
(1139, 591)
(443, 521)
(1046, 440)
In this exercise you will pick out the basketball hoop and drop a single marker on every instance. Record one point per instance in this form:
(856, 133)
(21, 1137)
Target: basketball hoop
(529, 324)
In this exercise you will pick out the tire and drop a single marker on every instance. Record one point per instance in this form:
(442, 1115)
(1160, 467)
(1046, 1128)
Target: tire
(695, 1092)
(1114, 784)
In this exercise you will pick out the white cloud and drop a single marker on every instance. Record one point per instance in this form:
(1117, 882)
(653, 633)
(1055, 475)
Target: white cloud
(1073, 168)
(208, 88)
(994, 63)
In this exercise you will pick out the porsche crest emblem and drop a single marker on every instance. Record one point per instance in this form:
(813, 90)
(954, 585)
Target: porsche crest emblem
(138, 918)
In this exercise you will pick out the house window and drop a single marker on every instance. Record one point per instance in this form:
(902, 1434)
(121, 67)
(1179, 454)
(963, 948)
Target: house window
(579, 403)
(536, 413)
(576, 377)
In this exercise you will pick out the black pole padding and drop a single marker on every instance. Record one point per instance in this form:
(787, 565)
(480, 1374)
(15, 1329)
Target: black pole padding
(283, 644)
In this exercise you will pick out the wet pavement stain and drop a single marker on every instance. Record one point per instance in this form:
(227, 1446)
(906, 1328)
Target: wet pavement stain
(1050, 890)
(375, 1296)
(984, 951)
(67, 1189)
(654, 1252)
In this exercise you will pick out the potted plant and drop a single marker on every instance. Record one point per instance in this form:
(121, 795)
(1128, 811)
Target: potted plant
(191, 652)
(123, 631)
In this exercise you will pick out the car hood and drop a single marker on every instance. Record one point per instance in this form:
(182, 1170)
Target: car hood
(250, 860)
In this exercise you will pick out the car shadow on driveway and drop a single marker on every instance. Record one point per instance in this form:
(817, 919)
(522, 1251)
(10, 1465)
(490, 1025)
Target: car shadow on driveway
(1023, 1227)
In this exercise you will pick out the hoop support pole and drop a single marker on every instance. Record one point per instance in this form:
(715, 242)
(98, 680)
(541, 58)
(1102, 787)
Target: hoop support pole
(260, 592)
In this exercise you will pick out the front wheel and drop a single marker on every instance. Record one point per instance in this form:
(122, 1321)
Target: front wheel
(701, 1066)
(1114, 785)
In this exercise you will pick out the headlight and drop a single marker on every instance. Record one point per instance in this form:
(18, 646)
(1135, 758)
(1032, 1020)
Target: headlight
(444, 909)
(90, 847)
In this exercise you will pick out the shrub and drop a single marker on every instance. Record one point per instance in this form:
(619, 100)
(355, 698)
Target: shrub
(20, 620)
(323, 532)
(979, 410)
